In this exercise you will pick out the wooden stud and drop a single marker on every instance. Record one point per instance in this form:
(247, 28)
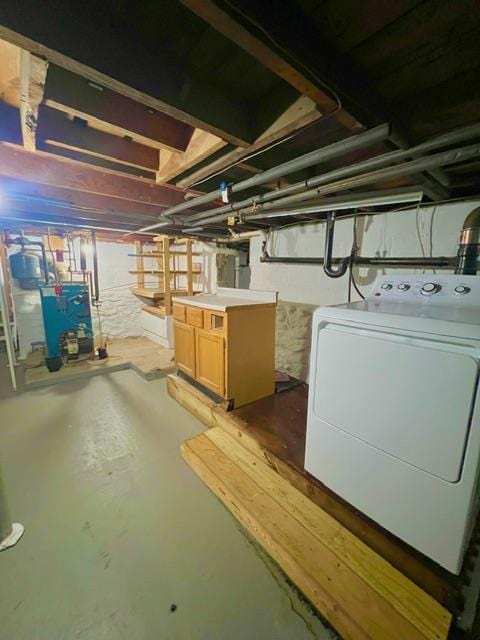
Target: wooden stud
(140, 264)
(166, 269)
(189, 268)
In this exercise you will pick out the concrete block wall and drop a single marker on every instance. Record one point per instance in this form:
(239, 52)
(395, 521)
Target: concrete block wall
(430, 231)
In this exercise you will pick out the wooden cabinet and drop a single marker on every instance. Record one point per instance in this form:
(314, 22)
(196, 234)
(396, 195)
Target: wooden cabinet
(184, 336)
(210, 360)
(231, 352)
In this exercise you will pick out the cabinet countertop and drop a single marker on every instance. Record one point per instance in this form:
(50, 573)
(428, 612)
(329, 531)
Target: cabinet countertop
(226, 298)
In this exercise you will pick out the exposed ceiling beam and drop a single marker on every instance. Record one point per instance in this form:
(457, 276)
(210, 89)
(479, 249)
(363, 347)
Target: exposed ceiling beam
(299, 115)
(114, 113)
(100, 163)
(63, 35)
(58, 130)
(9, 74)
(33, 71)
(51, 220)
(104, 204)
(16, 162)
(201, 146)
(234, 30)
(15, 206)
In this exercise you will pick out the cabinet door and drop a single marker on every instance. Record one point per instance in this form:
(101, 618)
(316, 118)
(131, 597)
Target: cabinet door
(184, 337)
(210, 360)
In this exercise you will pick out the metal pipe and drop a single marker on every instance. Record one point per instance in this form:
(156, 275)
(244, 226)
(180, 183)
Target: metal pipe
(339, 203)
(365, 261)
(414, 166)
(359, 141)
(453, 137)
(96, 288)
(327, 263)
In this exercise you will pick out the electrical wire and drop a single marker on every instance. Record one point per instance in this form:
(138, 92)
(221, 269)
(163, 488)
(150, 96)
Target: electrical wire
(353, 254)
(289, 53)
(306, 68)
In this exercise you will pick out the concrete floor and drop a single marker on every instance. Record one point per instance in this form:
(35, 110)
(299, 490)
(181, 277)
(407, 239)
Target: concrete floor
(122, 540)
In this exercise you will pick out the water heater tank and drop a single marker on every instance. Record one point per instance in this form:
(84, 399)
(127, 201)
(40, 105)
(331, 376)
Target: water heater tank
(25, 265)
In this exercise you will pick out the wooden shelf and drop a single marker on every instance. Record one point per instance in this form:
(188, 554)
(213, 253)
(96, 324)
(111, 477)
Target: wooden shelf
(157, 271)
(155, 254)
(154, 294)
(167, 273)
(155, 311)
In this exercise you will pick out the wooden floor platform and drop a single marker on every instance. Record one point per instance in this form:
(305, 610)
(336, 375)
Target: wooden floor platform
(359, 593)
(147, 358)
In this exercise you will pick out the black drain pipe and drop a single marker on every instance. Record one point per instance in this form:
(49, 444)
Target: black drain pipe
(327, 263)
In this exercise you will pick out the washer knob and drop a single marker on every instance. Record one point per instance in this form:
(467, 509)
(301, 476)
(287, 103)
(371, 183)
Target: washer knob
(461, 289)
(387, 286)
(403, 286)
(429, 288)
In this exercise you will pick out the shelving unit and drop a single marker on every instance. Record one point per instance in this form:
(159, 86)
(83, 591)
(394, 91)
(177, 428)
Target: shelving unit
(173, 277)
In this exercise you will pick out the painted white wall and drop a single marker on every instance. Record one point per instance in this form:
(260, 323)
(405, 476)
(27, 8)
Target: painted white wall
(390, 234)
(304, 287)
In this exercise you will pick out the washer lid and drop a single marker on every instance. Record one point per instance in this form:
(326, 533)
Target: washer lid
(410, 398)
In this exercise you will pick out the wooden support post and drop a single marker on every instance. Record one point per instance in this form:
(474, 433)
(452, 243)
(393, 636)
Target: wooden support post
(166, 275)
(33, 73)
(140, 264)
(189, 268)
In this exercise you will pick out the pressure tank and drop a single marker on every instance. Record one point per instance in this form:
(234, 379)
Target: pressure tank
(25, 264)
(25, 267)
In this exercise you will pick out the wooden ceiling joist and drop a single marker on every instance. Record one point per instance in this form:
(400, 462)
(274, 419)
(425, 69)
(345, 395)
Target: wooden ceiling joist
(33, 71)
(299, 115)
(58, 130)
(105, 204)
(159, 80)
(220, 20)
(201, 146)
(16, 162)
(114, 113)
(9, 74)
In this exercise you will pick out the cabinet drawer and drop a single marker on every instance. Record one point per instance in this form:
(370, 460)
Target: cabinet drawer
(195, 317)
(214, 321)
(179, 312)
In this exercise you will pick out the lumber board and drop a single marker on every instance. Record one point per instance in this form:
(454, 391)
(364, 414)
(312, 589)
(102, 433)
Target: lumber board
(260, 439)
(56, 171)
(357, 591)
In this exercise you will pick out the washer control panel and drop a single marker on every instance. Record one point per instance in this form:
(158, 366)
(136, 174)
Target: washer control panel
(445, 289)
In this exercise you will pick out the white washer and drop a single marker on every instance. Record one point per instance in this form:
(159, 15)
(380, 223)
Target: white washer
(394, 408)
